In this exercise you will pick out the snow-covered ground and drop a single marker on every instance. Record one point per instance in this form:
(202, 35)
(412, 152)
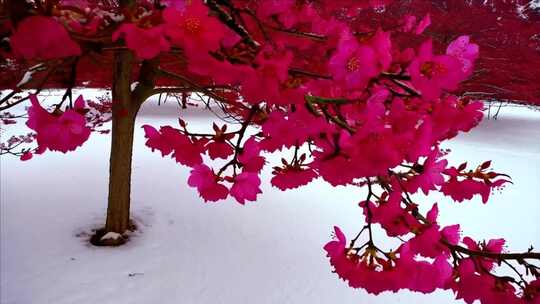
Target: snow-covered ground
(187, 251)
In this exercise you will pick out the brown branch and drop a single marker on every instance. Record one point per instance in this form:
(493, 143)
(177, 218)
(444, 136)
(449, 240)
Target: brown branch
(191, 83)
(241, 132)
(493, 255)
(312, 36)
(336, 120)
(232, 24)
(147, 78)
(294, 71)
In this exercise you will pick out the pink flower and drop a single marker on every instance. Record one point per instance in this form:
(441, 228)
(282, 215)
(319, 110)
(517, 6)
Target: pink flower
(452, 115)
(423, 24)
(353, 64)
(39, 37)
(376, 274)
(532, 291)
(429, 175)
(427, 241)
(336, 247)
(246, 187)
(408, 23)
(193, 29)
(465, 189)
(168, 139)
(465, 52)
(206, 182)
(271, 72)
(477, 285)
(382, 45)
(268, 8)
(493, 246)
(332, 170)
(218, 147)
(26, 156)
(146, 43)
(277, 128)
(156, 141)
(250, 156)
(64, 131)
(394, 219)
(292, 177)
(374, 154)
(431, 74)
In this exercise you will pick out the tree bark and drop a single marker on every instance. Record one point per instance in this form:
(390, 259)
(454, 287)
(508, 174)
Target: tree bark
(123, 122)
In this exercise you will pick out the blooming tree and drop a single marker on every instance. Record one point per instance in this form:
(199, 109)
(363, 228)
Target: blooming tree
(358, 93)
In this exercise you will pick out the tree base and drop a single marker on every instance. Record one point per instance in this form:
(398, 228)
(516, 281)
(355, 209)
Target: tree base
(104, 238)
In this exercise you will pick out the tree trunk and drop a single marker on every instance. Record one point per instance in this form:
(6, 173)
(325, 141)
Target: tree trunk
(123, 122)
(125, 106)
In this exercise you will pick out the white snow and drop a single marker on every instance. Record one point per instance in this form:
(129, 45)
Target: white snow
(186, 251)
(111, 236)
(134, 85)
(28, 74)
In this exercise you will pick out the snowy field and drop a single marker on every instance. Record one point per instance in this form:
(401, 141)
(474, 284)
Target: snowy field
(186, 251)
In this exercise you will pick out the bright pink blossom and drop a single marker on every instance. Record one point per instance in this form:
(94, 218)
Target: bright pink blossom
(146, 43)
(451, 115)
(277, 128)
(193, 29)
(431, 74)
(427, 241)
(250, 156)
(186, 151)
(219, 149)
(465, 52)
(39, 37)
(376, 274)
(475, 285)
(26, 156)
(394, 218)
(492, 246)
(408, 23)
(246, 187)
(423, 24)
(461, 189)
(272, 70)
(429, 175)
(292, 177)
(353, 64)
(206, 182)
(59, 131)
(268, 8)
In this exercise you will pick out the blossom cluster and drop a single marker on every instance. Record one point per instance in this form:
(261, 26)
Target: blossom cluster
(342, 102)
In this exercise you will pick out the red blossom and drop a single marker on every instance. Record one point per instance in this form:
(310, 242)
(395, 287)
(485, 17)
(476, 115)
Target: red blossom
(429, 175)
(59, 131)
(377, 274)
(292, 177)
(394, 219)
(465, 52)
(431, 74)
(206, 182)
(353, 64)
(146, 43)
(250, 156)
(168, 139)
(246, 187)
(193, 28)
(26, 156)
(39, 37)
